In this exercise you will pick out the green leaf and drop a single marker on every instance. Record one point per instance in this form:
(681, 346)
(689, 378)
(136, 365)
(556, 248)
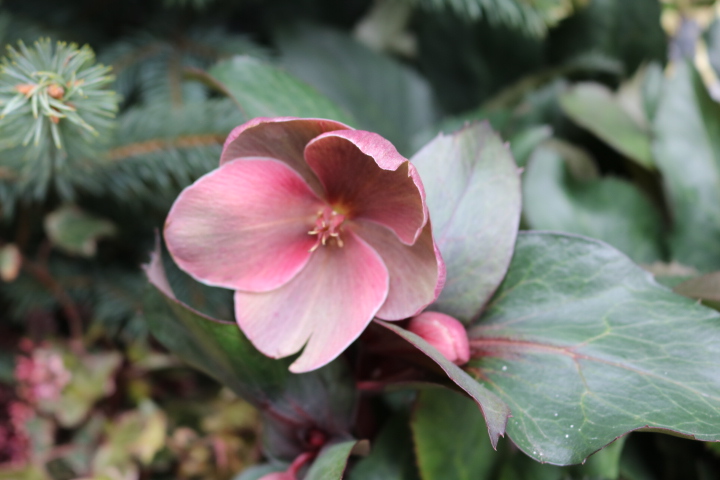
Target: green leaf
(449, 437)
(494, 410)
(524, 142)
(596, 108)
(263, 90)
(450, 444)
(609, 209)
(584, 346)
(217, 348)
(382, 94)
(332, 461)
(392, 456)
(257, 472)
(92, 378)
(134, 435)
(687, 152)
(473, 193)
(606, 462)
(75, 231)
(29, 472)
(323, 399)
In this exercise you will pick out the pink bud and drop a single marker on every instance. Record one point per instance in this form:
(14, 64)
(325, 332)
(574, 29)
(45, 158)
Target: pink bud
(279, 476)
(444, 333)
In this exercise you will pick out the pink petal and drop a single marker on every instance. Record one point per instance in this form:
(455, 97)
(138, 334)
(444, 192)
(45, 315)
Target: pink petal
(244, 226)
(325, 307)
(443, 332)
(282, 138)
(363, 174)
(417, 272)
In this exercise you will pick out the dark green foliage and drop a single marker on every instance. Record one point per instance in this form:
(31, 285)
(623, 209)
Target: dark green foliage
(574, 340)
(529, 17)
(626, 31)
(484, 58)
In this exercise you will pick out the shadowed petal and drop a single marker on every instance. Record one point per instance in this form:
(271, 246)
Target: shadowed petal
(417, 272)
(282, 138)
(325, 307)
(364, 174)
(243, 226)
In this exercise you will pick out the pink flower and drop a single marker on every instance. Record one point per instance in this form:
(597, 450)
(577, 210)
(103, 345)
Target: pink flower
(444, 333)
(318, 228)
(41, 376)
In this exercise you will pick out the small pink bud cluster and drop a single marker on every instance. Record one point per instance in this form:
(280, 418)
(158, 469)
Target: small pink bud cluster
(444, 333)
(14, 440)
(42, 375)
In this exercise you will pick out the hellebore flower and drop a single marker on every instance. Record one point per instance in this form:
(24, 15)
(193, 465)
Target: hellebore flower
(317, 227)
(444, 333)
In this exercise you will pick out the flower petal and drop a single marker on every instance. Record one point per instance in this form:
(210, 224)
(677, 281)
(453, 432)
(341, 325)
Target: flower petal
(364, 174)
(244, 226)
(325, 307)
(282, 138)
(417, 272)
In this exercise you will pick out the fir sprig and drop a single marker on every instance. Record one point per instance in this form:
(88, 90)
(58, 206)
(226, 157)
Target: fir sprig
(53, 91)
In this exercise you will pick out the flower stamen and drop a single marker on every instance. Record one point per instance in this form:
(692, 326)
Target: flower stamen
(328, 226)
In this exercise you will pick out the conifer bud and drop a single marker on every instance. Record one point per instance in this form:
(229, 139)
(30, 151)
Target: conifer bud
(55, 91)
(25, 88)
(49, 82)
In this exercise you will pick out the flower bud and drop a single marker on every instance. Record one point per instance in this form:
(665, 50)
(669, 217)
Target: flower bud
(55, 91)
(444, 333)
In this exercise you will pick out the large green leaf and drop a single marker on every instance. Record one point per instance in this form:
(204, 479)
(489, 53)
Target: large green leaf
(609, 209)
(332, 461)
(323, 399)
(392, 456)
(596, 108)
(450, 443)
(75, 231)
(473, 193)
(215, 347)
(449, 437)
(383, 95)
(584, 346)
(263, 90)
(494, 411)
(687, 151)
(603, 465)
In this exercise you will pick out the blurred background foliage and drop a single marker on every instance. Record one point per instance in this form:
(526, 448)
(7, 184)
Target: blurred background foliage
(601, 102)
